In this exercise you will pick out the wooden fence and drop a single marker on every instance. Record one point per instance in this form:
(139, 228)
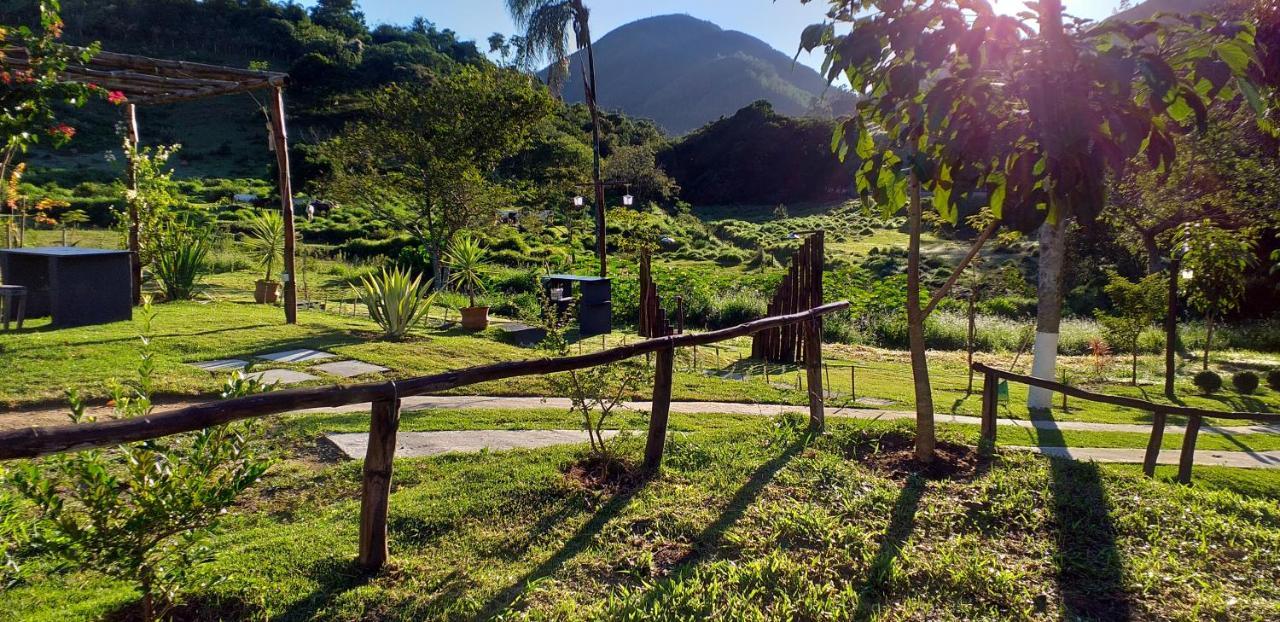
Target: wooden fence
(1160, 415)
(385, 418)
(801, 288)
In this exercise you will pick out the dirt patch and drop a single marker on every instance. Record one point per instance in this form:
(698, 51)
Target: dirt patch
(894, 455)
(605, 474)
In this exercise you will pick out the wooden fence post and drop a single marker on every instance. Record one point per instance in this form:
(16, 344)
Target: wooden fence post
(660, 411)
(1158, 421)
(989, 400)
(813, 365)
(1188, 450)
(376, 490)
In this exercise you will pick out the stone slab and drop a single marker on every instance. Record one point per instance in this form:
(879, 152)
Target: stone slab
(221, 365)
(281, 376)
(420, 444)
(349, 369)
(303, 355)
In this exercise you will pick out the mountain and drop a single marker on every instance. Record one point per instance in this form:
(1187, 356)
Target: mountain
(683, 73)
(1151, 7)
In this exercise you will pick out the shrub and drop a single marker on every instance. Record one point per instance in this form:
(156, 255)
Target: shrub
(397, 300)
(1207, 381)
(1245, 381)
(266, 240)
(181, 261)
(728, 259)
(1273, 379)
(738, 306)
(142, 512)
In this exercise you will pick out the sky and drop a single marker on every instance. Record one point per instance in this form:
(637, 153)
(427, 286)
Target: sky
(778, 23)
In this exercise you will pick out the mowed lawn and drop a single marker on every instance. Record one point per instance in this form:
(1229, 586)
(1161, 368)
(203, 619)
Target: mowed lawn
(750, 519)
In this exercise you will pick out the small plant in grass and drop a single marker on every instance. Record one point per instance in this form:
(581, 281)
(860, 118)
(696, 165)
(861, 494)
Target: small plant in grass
(1273, 379)
(397, 300)
(266, 240)
(13, 534)
(1099, 357)
(1208, 381)
(141, 512)
(1137, 305)
(1245, 381)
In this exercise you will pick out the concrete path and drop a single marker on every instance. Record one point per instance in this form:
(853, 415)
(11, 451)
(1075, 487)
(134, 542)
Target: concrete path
(451, 402)
(1204, 457)
(419, 444)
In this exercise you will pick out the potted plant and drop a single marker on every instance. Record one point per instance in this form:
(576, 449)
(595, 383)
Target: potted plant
(466, 260)
(266, 240)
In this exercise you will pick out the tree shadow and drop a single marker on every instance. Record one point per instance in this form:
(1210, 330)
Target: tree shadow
(334, 576)
(580, 540)
(902, 521)
(1089, 565)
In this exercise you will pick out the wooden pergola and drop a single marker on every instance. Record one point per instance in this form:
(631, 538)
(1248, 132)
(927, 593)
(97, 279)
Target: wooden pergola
(146, 81)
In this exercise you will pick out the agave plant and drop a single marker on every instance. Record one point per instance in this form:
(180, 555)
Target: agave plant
(466, 260)
(397, 300)
(181, 261)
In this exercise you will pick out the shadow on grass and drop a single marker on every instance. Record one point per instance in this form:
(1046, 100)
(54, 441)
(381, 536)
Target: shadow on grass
(128, 338)
(580, 540)
(902, 521)
(1089, 564)
(334, 576)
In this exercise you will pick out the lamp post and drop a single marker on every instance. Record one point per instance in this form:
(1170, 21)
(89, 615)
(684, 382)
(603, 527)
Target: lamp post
(1171, 320)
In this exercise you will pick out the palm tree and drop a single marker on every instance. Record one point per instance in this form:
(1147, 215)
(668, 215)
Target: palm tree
(545, 24)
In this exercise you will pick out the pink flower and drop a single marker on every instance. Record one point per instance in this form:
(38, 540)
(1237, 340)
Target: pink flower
(116, 97)
(63, 130)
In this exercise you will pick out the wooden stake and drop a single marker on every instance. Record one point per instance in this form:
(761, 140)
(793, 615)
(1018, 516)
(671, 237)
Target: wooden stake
(376, 493)
(813, 365)
(661, 410)
(990, 398)
(1153, 446)
(280, 139)
(1188, 449)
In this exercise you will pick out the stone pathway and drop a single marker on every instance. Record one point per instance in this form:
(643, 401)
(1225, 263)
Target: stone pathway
(419, 444)
(304, 356)
(1204, 457)
(297, 356)
(450, 402)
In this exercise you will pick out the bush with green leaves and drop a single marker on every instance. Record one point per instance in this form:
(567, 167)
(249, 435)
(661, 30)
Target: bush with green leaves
(1136, 308)
(141, 512)
(266, 239)
(1208, 381)
(467, 261)
(397, 300)
(1273, 379)
(1245, 381)
(181, 260)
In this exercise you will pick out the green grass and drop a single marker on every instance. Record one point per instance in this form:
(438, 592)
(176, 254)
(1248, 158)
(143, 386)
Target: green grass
(750, 520)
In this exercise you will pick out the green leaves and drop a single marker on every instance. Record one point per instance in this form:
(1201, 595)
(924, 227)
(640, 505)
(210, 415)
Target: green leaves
(397, 300)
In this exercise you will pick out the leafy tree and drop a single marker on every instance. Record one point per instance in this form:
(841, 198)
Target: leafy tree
(546, 35)
(965, 102)
(1136, 306)
(155, 200)
(637, 166)
(422, 157)
(142, 512)
(1215, 260)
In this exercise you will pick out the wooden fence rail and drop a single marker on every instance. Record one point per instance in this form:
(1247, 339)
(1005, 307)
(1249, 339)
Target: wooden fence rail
(385, 417)
(1160, 415)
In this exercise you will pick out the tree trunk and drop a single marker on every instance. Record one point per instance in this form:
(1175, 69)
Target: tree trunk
(1152, 249)
(590, 96)
(1208, 339)
(925, 434)
(1053, 251)
(973, 295)
(1171, 330)
(1134, 380)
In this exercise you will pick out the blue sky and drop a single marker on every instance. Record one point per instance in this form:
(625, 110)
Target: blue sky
(778, 23)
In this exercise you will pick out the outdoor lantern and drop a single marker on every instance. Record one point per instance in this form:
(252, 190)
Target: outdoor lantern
(579, 201)
(1187, 275)
(628, 200)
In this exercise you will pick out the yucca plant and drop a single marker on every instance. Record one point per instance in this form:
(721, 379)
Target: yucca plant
(466, 260)
(266, 239)
(181, 261)
(397, 300)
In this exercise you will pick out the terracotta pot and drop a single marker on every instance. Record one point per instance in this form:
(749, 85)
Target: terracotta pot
(475, 318)
(265, 292)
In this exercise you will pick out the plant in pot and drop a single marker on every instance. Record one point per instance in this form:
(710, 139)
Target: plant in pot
(266, 240)
(466, 260)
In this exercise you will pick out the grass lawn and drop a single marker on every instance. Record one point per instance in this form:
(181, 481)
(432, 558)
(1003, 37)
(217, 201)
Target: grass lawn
(751, 519)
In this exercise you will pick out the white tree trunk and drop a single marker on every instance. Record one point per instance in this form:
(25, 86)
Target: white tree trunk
(1053, 255)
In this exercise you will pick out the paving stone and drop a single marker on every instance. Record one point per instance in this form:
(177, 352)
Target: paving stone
(281, 376)
(349, 369)
(419, 444)
(221, 365)
(297, 356)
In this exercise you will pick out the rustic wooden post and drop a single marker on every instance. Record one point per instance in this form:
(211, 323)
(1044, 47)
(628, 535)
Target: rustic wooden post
(1188, 449)
(376, 490)
(280, 141)
(133, 138)
(989, 400)
(813, 367)
(661, 409)
(853, 383)
(1153, 446)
